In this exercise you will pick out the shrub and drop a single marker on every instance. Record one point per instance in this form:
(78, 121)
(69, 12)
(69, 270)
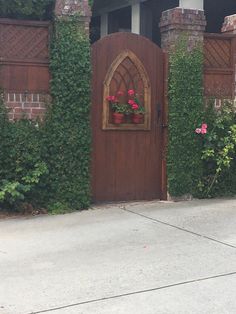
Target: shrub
(27, 9)
(219, 150)
(21, 166)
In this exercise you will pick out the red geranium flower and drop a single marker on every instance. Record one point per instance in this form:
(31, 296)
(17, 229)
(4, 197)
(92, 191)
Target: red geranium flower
(135, 106)
(131, 92)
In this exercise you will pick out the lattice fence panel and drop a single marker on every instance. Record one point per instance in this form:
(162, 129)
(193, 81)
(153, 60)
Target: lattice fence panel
(217, 53)
(23, 42)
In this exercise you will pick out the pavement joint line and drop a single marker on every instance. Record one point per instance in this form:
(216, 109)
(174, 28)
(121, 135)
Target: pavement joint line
(179, 228)
(133, 293)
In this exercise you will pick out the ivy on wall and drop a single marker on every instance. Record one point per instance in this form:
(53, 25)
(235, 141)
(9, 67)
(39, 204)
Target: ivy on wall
(184, 165)
(27, 9)
(67, 129)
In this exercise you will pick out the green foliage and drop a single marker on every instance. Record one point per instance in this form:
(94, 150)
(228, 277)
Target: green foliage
(27, 9)
(11, 192)
(48, 164)
(67, 136)
(184, 165)
(21, 166)
(219, 150)
(59, 208)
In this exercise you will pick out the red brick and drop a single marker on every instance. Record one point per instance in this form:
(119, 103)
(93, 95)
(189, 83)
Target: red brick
(11, 97)
(38, 111)
(23, 111)
(18, 98)
(14, 105)
(29, 98)
(35, 97)
(31, 105)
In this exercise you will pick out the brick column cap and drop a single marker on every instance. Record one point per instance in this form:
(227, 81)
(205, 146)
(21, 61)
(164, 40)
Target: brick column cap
(72, 7)
(179, 18)
(229, 25)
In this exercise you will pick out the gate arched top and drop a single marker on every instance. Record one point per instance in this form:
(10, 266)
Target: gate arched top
(136, 61)
(129, 36)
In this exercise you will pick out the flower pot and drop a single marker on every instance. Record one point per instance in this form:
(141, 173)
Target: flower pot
(118, 118)
(137, 118)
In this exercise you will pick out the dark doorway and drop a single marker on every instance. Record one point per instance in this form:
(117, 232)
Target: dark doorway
(215, 13)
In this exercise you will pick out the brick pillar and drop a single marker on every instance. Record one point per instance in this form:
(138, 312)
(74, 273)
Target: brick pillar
(174, 23)
(229, 27)
(82, 8)
(177, 21)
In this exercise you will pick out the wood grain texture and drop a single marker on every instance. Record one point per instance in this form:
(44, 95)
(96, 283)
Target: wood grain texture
(127, 165)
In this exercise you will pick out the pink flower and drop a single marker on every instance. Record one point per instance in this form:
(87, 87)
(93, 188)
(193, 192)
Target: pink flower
(120, 93)
(204, 126)
(203, 131)
(131, 102)
(135, 106)
(131, 92)
(198, 130)
(108, 98)
(113, 98)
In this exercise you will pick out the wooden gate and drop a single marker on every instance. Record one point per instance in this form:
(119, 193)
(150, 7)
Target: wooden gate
(127, 159)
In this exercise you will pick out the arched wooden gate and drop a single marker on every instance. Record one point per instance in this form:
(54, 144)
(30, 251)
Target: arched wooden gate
(127, 161)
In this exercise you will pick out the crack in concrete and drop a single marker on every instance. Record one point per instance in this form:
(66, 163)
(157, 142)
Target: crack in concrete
(133, 293)
(178, 228)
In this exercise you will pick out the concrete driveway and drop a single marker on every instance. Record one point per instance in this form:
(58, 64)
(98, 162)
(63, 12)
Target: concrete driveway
(137, 258)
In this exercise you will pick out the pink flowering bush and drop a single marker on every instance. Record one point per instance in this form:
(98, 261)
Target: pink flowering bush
(202, 130)
(218, 149)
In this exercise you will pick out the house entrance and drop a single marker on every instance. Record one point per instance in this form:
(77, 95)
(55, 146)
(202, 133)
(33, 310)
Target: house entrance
(127, 160)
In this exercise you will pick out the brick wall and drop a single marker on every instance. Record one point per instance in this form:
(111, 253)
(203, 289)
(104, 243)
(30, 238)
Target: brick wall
(30, 106)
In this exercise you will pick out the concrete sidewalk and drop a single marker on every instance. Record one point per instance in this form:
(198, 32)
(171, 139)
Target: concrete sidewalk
(137, 258)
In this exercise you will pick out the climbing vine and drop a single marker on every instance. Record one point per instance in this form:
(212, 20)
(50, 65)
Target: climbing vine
(184, 165)
(67, 128)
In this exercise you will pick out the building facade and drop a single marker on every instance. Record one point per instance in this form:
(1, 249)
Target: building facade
(143, 16)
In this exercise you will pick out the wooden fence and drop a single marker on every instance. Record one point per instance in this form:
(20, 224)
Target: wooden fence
(220, 65)
(24, 59)
(24, 56)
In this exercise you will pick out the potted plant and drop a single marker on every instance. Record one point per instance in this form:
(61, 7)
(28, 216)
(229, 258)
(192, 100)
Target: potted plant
(137, 108)
(126, 111)
(119, 110)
